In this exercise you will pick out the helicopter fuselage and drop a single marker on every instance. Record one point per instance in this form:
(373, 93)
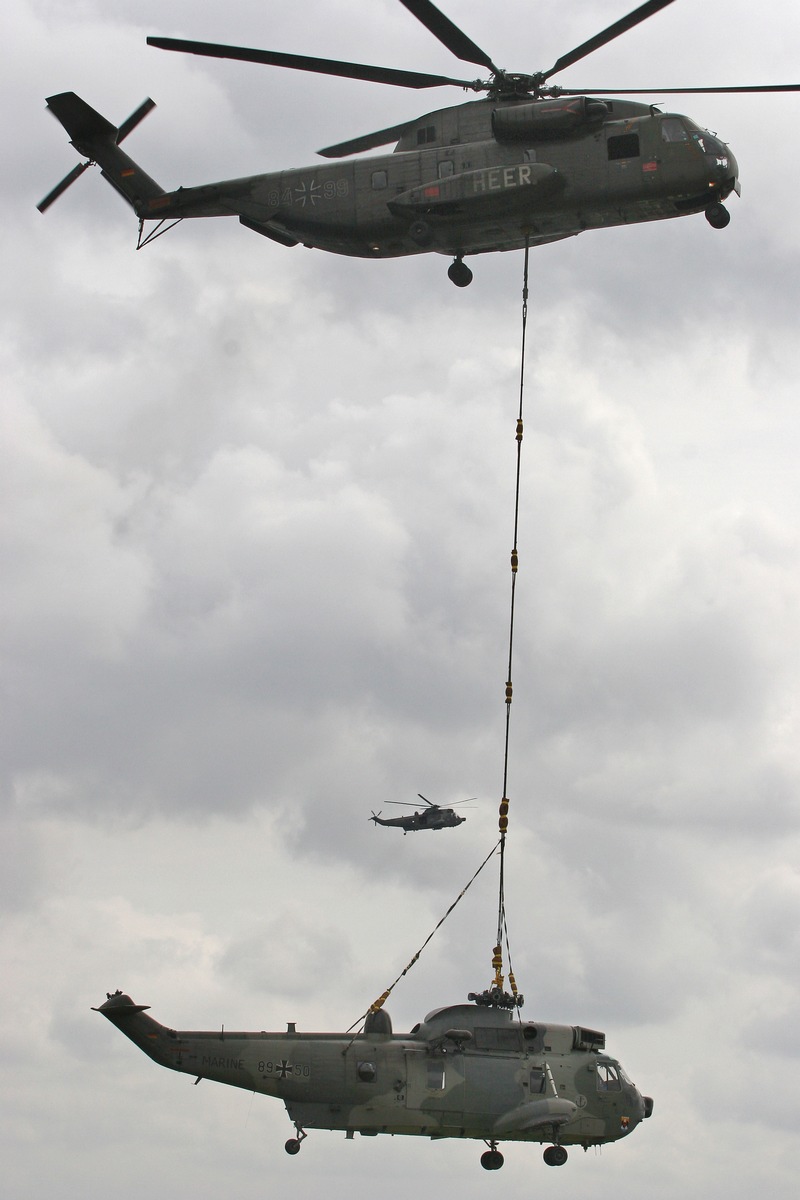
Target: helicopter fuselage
(465, 1072)
(428, 818)
(482, 176)
(485, 176)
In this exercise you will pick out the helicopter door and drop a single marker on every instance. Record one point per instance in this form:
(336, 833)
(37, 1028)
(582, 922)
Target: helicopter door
(624, 155)
(494, 1084)
(609, 1088)
(434, 1085)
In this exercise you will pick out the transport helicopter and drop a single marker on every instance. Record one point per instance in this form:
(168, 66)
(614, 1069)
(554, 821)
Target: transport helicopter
(529, 163)
(432, 817)
(467, 1071)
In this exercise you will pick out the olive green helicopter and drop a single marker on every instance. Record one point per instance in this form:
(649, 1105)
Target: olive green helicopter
(529, 163)
(471, 1070)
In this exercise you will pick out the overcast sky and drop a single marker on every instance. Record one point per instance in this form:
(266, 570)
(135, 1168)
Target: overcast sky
(256, 526)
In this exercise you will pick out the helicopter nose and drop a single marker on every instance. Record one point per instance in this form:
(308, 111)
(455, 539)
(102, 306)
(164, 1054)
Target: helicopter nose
(734, 169)
(723, 172)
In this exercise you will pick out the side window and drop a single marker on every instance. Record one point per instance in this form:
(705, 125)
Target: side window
(446, 168)
(607, 1078)
(537, 1081)
(529, 155)
(380, 179)
(624, 145)
(428, 134)
(435, 1079)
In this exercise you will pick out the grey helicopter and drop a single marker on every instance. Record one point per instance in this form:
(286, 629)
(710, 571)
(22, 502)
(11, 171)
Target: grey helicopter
(432, 817)
(530, 163)
(473, 1071)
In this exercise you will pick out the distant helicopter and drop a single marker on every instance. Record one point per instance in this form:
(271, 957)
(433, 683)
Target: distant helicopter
(432, 817)
(529, 164)
(467, 1071)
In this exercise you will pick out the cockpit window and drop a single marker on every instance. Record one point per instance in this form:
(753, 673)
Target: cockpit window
(608, 1078)
(672, 130)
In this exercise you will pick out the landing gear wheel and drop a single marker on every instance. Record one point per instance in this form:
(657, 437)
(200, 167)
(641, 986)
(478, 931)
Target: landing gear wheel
(492, 1160)
(717, 216)
(555, 1156)
(293, 1144)
(459, 273)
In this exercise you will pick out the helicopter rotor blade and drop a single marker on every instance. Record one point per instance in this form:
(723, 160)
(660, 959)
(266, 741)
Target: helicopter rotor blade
(61, 187)
(455, 40)
(449, 34)
(302, 62)
(367, 141)
(649, 9)
(408, 804)
(133, 120)
(755, 87)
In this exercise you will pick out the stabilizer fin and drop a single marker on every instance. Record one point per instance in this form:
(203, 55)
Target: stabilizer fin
(95, 137)
(80, 120)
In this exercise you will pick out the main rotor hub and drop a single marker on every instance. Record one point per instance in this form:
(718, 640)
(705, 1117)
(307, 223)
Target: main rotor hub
(495, 997)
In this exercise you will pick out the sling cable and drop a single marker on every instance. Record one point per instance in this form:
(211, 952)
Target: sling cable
(494, 996)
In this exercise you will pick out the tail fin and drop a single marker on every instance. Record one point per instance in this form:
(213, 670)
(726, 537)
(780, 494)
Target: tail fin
(94, 136)
(158, 1042)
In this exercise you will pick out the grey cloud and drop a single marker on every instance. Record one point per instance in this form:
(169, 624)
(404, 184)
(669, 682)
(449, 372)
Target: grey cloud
(257, 523)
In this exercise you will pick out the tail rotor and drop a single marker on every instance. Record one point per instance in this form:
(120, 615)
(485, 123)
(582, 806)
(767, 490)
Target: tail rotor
(66, 182)
(119, 135)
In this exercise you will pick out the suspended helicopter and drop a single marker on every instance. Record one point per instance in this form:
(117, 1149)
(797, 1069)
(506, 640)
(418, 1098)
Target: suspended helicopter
(466, 1071)
(432, 817)
(529, 163)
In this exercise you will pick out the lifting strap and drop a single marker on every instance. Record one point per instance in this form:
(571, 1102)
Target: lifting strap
(379, 1003)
